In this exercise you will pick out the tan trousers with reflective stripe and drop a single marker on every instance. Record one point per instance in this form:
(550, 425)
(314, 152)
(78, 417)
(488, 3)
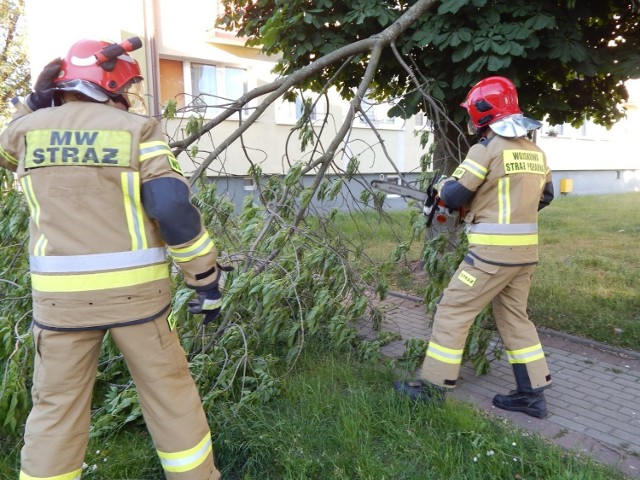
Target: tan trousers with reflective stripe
(471, 288)
(57, 429)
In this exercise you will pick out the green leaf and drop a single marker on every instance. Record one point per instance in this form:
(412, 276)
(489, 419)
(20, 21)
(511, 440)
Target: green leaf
(540, 22)
(478, 65)
(451, 6)
(496, 63)
(462, 53)
(501, 48)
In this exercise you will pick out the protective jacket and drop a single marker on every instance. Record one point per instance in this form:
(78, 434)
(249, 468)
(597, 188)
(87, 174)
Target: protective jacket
(112, 170)
(502, 183)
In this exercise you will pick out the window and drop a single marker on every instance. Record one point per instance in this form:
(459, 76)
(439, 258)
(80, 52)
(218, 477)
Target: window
(586, 131)
(288, 113)
(216, 87)
(205, 88)
(377, 113)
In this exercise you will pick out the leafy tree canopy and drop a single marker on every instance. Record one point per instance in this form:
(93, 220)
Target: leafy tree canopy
(15, 77)
(569, 59)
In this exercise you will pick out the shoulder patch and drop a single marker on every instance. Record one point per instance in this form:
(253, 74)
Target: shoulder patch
(174, 164)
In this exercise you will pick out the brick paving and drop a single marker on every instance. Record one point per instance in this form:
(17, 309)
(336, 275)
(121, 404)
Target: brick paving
(594, 403)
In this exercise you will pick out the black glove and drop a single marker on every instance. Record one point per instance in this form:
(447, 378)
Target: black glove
(208, 304)
(44, 91)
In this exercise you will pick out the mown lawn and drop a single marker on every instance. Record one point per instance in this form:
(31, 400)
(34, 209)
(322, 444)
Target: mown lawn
(338, 418)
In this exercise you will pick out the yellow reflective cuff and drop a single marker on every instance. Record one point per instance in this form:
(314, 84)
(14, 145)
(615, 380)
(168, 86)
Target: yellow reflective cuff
(75, 475)
(525, 355)
(444, 354)
(186, 460)
(98, 281)
(503, 240)
(201, 247)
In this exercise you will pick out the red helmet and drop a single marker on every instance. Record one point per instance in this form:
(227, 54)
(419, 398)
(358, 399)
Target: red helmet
(491, 99)
(85, 67)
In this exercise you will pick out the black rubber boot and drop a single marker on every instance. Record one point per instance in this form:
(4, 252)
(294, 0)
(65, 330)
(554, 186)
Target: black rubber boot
(419, 390)
(533, 404)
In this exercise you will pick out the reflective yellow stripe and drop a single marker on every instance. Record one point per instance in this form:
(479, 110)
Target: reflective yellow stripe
(75, 475)
(8, 157)
(201, 247)
(474, 168)
(133, 209)
(503, 240)
(155, 149)
(32, 201)
(525, 355)
(186, 460)
(34, 209)
(98, 281)
(41, 246)
(444, 354)
(504, 201)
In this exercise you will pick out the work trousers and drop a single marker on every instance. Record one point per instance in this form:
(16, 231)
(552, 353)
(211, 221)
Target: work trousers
(471, 288)
(57, 429)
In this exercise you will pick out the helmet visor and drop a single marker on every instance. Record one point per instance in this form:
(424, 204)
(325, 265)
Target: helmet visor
(83, 87)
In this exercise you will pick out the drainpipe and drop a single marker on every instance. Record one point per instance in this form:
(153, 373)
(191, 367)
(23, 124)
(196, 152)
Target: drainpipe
(153, 70)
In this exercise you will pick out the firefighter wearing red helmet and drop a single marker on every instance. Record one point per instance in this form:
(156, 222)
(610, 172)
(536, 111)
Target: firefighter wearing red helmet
(108, 202)
(502, 183)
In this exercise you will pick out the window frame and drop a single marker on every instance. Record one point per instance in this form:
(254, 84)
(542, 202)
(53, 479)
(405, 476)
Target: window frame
(222, 95)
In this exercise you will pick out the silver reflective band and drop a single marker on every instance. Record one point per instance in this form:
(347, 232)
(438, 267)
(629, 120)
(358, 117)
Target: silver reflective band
(502, 228)
(97, 262)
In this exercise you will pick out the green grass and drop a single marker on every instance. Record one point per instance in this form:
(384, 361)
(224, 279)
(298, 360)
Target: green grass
(587, 280)
(377, 238)
(339, 419)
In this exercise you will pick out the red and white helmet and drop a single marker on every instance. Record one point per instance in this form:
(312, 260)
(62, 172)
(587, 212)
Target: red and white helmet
(493, 102)
(491, 99)
(98, 69)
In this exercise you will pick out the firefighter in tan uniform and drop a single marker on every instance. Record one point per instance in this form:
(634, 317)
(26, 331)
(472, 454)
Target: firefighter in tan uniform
(107, 202)
(502, 183)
